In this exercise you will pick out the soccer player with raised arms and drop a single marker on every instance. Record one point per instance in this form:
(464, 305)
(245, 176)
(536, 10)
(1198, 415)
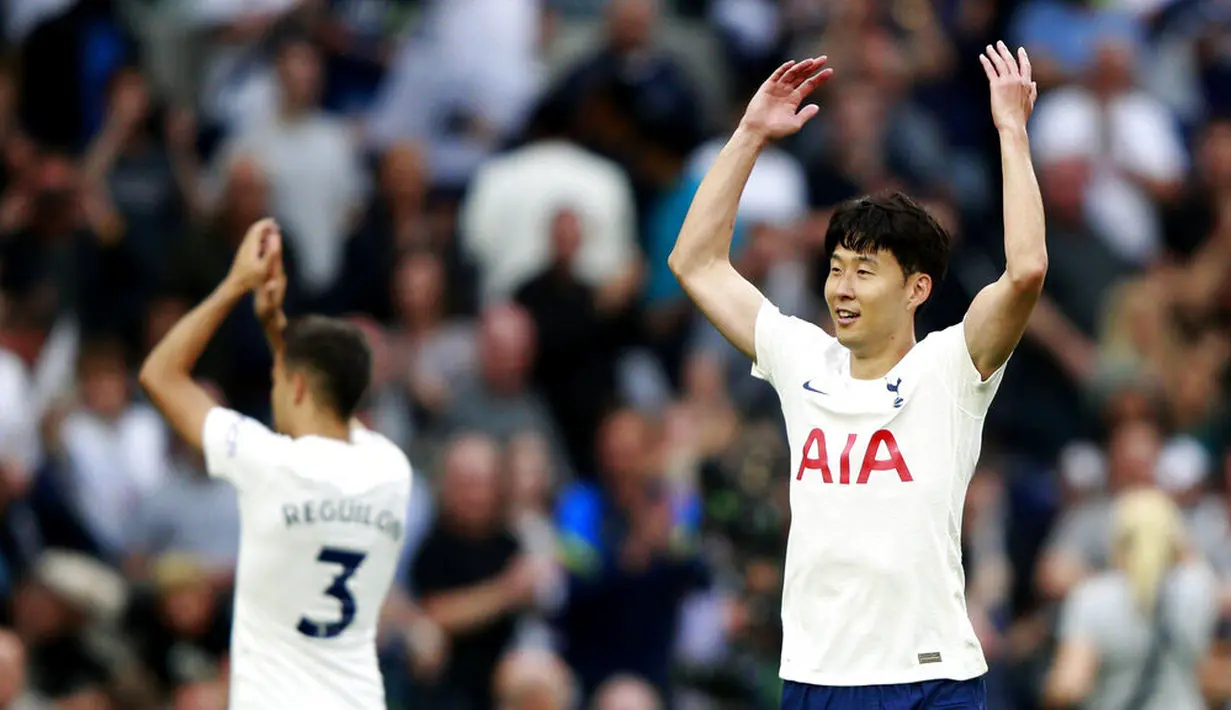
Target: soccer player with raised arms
(884, 431)
(322, 500)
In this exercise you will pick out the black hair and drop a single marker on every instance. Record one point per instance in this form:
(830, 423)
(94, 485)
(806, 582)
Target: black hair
(337, 358)
(894, 223)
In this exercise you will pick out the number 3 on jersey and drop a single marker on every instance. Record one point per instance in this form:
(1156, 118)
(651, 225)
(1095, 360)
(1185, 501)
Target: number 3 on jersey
(349, 561)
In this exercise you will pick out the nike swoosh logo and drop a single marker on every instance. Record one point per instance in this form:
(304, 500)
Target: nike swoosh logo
(808, 386)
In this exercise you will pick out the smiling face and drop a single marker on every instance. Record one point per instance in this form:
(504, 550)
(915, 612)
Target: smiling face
(871, 301)
(886, 253)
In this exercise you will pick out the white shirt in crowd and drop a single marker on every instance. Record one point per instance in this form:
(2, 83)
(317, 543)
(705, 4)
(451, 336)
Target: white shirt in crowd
(1133, 133)
(322, 527)
(505, 221)
(777, 189)
(874, 590)
(317, 185)
(113, 465)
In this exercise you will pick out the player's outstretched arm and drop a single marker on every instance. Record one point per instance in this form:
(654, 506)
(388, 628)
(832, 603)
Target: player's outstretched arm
(701, 259)
(167, 372)
(1000, 312)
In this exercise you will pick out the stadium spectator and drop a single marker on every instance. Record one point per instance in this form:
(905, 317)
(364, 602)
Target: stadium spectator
(1137, 635)
(582, 331)
(500, 400)
(316, 185)
(533, 680)
(471, 575)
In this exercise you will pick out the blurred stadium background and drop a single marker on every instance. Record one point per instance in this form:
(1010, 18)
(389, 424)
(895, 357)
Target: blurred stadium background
(491, 187)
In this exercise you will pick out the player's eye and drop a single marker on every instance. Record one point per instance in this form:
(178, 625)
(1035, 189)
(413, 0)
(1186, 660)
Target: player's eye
(833, 270)
(864, 272)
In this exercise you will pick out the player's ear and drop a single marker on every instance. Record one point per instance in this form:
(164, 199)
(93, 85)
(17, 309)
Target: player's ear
(920, 288)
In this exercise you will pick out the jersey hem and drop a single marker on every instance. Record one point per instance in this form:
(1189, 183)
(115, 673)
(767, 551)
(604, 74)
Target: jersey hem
(861, 680)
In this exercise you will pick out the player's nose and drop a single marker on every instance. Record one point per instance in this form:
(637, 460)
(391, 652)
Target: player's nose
(844, 286)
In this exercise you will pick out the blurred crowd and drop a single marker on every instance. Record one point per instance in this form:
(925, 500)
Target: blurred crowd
(491, 188)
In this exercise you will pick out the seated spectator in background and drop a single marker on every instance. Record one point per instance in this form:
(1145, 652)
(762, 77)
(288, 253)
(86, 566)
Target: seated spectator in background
(1131, 144)
(237, 83)
(471, 576)
(629, 561)
(316, 181)
(187, 513)
(1080, 544)
(432, 353)
(1110, 651)
(63, 251)
(533, 680)
(398, 222)
(655, 87)
(624, 692)
(505, 219)
(144, 161)
(1183, 472)
(457, 102)
(180, 625)
(582, 330)
(111, 450)
(61, 613)
(1063, 36)
(499, 400)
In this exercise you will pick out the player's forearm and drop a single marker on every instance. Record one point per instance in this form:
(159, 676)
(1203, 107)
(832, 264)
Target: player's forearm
(178, 352)
(274, 327)
(1025, 235)
(706, 235)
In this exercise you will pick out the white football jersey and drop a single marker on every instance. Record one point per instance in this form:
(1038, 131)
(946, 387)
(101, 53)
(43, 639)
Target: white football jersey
(874, 591)
(322, 523)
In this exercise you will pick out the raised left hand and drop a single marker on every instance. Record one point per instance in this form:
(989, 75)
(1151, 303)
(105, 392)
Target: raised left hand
(257, 256)
(267, 299)
(1012, 88)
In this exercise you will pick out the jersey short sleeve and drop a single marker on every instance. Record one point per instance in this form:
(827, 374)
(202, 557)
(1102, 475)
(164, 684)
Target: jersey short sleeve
(240, 449)
(778, 339)
(971, 392)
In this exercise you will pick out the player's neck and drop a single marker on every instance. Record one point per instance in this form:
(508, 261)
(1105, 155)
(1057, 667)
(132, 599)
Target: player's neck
(325, 426)
(872, 364)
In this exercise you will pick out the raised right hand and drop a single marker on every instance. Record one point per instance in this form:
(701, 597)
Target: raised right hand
(774, 110)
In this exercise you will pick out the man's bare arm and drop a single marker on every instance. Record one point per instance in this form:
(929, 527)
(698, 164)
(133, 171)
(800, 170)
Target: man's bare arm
(167, 372)
(701, 259)
(999, 314)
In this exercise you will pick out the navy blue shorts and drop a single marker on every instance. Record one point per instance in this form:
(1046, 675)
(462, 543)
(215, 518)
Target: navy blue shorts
(926, 695)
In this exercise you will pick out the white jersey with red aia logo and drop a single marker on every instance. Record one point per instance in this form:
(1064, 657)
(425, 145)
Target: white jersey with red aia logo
(874, 590)
(322, 526)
